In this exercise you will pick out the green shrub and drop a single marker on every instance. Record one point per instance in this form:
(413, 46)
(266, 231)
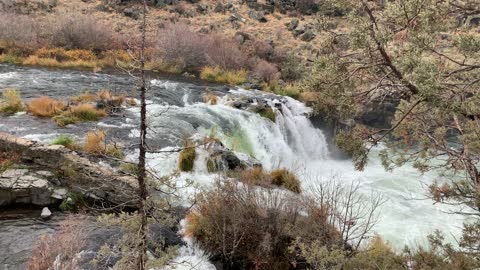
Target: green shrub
(11, 102)
(87, 112)
(186, 159)
(219, 75)
(211, 166)
(286, 179)
(65, 119)
(114, 151)
(267, 113)
(73, 201)
(129, 168)
(66, 141)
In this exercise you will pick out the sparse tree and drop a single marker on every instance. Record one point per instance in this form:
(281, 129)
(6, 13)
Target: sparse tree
(419, 53)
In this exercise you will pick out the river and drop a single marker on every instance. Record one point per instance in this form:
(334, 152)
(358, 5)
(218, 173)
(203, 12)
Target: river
(176, 111)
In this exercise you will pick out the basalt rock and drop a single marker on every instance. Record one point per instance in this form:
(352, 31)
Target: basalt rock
(24, 186)
(74, 172)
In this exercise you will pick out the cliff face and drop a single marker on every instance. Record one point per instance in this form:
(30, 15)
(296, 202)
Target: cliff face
(47, 172)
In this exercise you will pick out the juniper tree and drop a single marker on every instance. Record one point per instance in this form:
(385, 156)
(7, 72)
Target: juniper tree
(421, 53)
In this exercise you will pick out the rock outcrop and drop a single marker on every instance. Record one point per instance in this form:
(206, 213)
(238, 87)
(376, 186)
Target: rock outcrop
(72, 171)
(18, 185)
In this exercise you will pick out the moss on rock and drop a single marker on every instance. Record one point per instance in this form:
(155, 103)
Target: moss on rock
(186, 159)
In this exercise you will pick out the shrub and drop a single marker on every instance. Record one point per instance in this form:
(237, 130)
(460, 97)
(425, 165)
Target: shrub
(131, 101)
(86, 112)
(34, 60)
(105, 94)
(268, 113)
(129, 168)
(84, 97)
(11, 102)
(18, 31)
(255, 176)
(74, 201)
(60, 54)
(81, 32)
(179, 45)
(8, 159)
(65, 119)
(252, 230)
(289, 90)
(265, 71)
(45, 107)
(210, 98)
(68, 241)
(307, 6)
(286, 179)
(219, 75)
(225, 53)
(66, 141)
(186, 159)
(291, 68)
(9, 58)
(95, 142)
(115, 151)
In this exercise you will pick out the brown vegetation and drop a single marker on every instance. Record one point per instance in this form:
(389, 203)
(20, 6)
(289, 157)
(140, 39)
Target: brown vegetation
(279, 177)
(67, 242)
(247, 228)
(11, 102)
(45, 106)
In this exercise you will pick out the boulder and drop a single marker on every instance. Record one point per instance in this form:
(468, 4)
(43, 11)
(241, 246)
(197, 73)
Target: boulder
(299, 30)
(309, 35)
(292, 25)
(46, 213)
(26, 187)
(257, 16)
(201, 8)
(132, 13)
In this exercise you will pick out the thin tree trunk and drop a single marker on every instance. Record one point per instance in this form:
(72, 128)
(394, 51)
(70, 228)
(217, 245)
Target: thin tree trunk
(142, 174)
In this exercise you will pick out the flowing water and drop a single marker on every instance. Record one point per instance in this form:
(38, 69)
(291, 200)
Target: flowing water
(176, 111)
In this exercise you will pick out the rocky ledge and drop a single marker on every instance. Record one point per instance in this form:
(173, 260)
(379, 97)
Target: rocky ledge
(46, 173)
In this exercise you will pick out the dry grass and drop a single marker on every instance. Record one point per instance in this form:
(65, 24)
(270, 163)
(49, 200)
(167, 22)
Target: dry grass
(45, 107)
(286, 179)
(34, 60)
(95, 142)
(210, 98)
(84, 97)
(68, 241)
(255, 176)
(87, 112)
(105, 94)
(131, 102)
(219, 75)
(11, 102)
(8, 159)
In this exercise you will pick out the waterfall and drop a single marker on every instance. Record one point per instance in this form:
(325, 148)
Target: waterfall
(294, 143)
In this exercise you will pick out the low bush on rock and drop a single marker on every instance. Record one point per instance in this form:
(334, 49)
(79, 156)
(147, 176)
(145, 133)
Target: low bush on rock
(7, 160)
(286, 179)
(268, 113)
(95, 142)
(86, 112)
(11, 102)
(186, 159)
(66, 141)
